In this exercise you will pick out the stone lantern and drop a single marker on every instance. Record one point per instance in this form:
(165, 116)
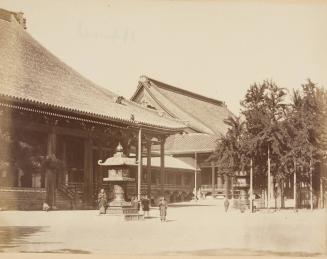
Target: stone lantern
(118, 175)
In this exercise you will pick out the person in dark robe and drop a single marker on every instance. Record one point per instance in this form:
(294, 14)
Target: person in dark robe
(146, 205)
(163, 209)
(102, 201)
(226, 204)
(134, 203)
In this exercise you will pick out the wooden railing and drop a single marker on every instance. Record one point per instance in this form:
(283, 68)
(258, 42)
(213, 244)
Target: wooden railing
(166, 187)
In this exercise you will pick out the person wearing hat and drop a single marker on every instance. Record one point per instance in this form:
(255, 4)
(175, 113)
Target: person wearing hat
(163, 209)
(102, 202)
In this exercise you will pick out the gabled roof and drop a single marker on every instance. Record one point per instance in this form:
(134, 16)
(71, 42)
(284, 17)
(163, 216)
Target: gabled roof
(203, 114)
(190, 143)
(29, 73)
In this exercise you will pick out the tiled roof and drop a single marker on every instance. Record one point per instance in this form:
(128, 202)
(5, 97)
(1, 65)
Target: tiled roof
(170, 163)
(190, 143)
(201, 113)
(30, 73)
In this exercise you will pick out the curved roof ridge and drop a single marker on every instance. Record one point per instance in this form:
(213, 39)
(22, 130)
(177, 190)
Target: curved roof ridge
(186, 92)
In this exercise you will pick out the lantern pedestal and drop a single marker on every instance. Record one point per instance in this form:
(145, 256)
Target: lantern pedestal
(118, 176)
(118, 204)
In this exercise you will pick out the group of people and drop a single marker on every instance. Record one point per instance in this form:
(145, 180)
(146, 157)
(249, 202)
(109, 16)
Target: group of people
(143, 203)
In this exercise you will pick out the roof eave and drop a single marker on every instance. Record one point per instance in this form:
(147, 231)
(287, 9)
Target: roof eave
(97, 117)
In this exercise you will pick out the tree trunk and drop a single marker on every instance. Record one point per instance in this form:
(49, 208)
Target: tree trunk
(269, 181)
(282, 202)
(295, 188)
(311, 189)
(321, 194)
(251, 187)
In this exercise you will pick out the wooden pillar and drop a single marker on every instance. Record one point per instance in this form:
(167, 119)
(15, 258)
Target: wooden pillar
(52, 143)
(148, 168)
(162, 165)
(64, 158)
(99, 168)
(139, 165)
(226, 183)
(50, 177)
(88, 172)
(219, 182)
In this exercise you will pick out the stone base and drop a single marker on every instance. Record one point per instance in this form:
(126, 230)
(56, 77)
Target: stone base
(115, 211)
(119, 204)
(120, 210)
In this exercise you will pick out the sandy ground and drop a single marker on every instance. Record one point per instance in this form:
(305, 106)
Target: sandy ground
(201, 228)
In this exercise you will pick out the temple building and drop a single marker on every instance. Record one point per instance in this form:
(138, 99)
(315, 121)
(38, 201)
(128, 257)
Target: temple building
(204, 121)
(55, 125)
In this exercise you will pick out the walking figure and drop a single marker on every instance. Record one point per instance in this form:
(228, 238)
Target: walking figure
(163, 209)
(226, 204)
(102, 202)
(146, 206)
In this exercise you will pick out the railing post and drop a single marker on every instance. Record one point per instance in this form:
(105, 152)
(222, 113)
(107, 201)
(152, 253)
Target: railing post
(139, 167)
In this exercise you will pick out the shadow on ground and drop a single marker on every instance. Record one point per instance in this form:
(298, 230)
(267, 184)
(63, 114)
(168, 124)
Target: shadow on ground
(239, 252)
(14, 236)
(60, 251)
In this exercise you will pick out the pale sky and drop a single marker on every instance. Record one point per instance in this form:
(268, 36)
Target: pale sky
(214, 48)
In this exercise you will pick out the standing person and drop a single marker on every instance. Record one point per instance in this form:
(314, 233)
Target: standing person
(134, 203)
(163, 209)
(226, 204)
(146, 205)
(102, 201)
(195, 193)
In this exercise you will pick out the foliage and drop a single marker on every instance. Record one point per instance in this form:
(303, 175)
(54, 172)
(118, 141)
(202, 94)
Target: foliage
(295, 133)
(229, 152)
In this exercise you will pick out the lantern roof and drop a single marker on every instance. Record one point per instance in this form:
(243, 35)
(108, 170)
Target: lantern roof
(118, 159)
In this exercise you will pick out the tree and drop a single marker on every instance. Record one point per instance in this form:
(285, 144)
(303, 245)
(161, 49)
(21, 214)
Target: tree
(229, 151)
(306, 126)
(264, 110)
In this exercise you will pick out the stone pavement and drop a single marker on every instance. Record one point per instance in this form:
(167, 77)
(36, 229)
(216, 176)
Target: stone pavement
(192, 228)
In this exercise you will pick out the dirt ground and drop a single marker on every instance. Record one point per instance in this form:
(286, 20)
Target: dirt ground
(192, 228)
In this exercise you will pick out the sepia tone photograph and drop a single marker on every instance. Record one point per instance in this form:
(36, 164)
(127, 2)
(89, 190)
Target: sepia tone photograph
(163, 128)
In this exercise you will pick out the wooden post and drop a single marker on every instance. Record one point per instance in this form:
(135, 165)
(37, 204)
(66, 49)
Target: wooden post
(88, 172)
(50, 177)
(139, 165)
(226, 183)
(64, 158)
(148, 171)
(251, 186)
(162, 165)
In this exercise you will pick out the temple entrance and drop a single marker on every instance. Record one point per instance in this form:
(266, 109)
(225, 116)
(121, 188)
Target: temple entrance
(21, 153)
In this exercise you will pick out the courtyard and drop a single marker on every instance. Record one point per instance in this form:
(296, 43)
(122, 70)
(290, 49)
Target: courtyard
(192, 228)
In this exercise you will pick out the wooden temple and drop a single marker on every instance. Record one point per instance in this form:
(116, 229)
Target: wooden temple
(204, 121)
(55, 125)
